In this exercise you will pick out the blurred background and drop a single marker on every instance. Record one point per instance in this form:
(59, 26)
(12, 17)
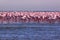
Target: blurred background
(29, 5)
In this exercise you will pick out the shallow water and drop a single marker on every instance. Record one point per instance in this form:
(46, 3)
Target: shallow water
(30, 31)
(29, 25)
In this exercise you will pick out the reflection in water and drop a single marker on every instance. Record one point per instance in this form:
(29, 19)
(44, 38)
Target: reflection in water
(30, 25)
